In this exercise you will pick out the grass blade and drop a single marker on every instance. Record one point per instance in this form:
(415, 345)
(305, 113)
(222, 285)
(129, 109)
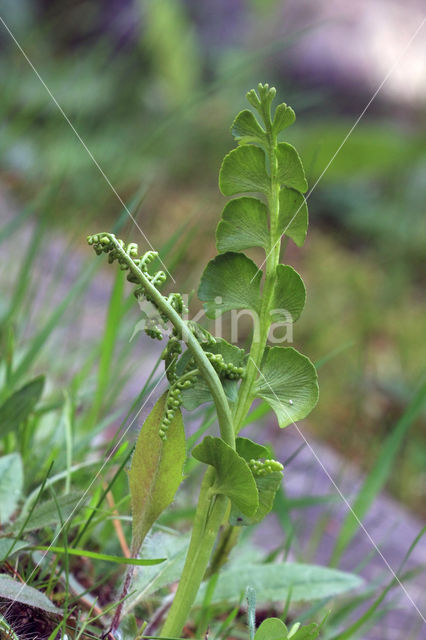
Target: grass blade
(23, 279)
(380, 473)
(109, 340)
(350, 631)
(100, 556)
(55, 317)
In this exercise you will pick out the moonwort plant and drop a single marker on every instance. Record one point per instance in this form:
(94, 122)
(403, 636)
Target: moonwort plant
(240, 482)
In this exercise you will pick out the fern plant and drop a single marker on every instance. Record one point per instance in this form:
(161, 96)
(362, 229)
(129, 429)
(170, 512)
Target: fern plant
(240, 482)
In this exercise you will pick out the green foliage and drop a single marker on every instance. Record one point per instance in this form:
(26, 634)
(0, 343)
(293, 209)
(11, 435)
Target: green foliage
(227, 360)
(309, 632)
(233, 475)
(272, 629)
(46, 513)
(6, 629)
(242, 480)
(11, 484)
(211, 369)
(267, 476)
(283, 118)
(173, 545)
(115, 312)
(172, 45)
(289, 294)
(267, 483)
(376, 479)
(18, 406)
(14, 590)
(246, 129)
(9, 546)
(288, 383)
(275, 629)
(372, 189)
(155, 472)
(293, 215)
(243, 169)
(84, 553)
(128, 628)
(250, 450)
(274, 582)
(290, 170)
(230, 281)
(244, 224)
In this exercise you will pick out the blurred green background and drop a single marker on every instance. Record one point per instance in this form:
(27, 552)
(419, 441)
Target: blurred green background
(152, 88)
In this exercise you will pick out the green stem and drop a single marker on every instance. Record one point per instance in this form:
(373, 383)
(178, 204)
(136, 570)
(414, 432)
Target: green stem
(211, 510)
(226, 542)
(260, 335)
(203, 364)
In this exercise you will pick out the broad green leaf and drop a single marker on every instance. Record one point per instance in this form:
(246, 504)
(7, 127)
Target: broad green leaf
(52, 480)
(246, 129)
(293, 218)
(272, 629)
(20, 592)
(19, 405)
(244, 224)
(156, 471)
(273, 582)
(230, 281)
(250, 450)
(243, 169)
(290, 169)
(11, 482)
(233, 475)
(267, 487)
(289, 295)
(46, 514)
(9, 546)
(284, 116)
(288, 383)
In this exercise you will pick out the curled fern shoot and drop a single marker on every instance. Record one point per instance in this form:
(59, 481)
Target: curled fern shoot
(170, 309)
